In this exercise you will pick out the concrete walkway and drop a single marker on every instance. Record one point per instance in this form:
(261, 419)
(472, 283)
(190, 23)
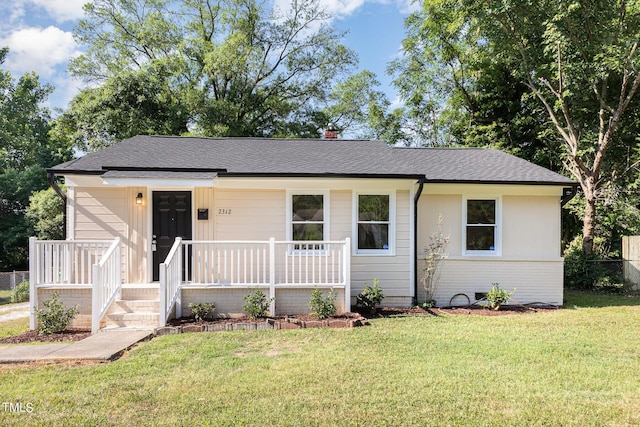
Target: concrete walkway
(14, 311)
(103, 346)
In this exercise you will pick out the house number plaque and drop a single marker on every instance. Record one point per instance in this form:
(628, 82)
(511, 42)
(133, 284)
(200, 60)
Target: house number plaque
(224, 211)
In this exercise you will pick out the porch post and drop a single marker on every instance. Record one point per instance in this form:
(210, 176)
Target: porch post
(272, 276)
(347, 274)
(163, 294)
(33, 277)
(96, 290)
(180, 255)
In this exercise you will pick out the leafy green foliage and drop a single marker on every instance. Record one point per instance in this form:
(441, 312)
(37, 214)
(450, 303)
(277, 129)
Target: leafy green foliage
(322, 307)
(45, 214)
(370, 297)
(26, 150)
(226, 68)
(588, 272)
(256, 304)
(498, 296)
(520, 78)
(54, 317)
(21, 292)
(202, 310)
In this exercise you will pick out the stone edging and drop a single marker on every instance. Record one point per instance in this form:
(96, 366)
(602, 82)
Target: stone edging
(287, 323)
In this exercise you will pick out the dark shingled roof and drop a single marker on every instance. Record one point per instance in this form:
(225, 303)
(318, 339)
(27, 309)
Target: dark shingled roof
(306, 157)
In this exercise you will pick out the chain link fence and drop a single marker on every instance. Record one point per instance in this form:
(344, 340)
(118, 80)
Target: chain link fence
(11, 279)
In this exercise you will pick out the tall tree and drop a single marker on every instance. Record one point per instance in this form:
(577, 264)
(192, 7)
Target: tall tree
(217, 68)
(576, 59)
(25, 151)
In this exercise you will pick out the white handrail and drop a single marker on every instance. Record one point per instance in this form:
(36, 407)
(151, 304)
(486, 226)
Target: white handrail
(269, 262)
(65, 262)
(171, 282)
(107, 283)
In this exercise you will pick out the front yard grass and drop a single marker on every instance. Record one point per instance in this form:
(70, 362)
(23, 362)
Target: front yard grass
(5, 296)
(570, 367)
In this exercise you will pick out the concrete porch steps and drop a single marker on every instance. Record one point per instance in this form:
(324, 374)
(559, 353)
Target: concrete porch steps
(138, 308)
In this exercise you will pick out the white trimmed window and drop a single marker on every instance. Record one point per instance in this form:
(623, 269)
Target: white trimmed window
(482, 226)
(375, 219)
(307, 217)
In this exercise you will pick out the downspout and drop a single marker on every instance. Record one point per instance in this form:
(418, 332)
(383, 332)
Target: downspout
(415, 239)
(52, 181)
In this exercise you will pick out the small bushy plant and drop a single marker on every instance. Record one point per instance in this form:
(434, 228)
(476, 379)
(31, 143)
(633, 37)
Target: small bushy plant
(21, 292)
(256, 304)
(498, 296)
(202, 310)
(588, 272)
(370, 297)
(322, 307)
(54, 317)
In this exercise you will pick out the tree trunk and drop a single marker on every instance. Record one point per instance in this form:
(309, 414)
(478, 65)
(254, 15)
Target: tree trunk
(589, 221)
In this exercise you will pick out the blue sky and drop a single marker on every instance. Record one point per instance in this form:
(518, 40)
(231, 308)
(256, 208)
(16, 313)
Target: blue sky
(39, 36)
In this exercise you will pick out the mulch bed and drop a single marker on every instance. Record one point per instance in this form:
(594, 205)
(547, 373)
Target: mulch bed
(78, 334)
(33, 336)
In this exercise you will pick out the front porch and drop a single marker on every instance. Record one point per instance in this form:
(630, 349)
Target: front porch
(90, 273)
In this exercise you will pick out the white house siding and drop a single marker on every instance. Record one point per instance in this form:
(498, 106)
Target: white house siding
(258, 214)
(249, 214)
(534, 281)
(393, 272)
(203, 198)
(137, 237)
(100, 213)
(106, 213)
(530, 241)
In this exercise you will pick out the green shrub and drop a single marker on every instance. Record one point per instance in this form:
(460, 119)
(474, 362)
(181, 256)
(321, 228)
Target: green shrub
(21, 292)
(322, 307)
(498, 296)
(202, 310)
(256, 304)
(585, 272)
(370, 297)
(54, 317)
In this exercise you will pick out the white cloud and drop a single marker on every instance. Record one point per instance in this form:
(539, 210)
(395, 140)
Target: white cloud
(39, 50)
(339, 8)
(61, 10)
(408, 6)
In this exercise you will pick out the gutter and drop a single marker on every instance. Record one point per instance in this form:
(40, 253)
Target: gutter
(52, 181)
(415, 238)
(568, 193)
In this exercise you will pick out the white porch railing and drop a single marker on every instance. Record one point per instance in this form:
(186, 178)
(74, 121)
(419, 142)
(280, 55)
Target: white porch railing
(68, 263)
(170, 282)
(107, 283)
(258, 263)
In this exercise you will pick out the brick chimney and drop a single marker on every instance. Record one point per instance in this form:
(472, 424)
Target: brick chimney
(330, 132)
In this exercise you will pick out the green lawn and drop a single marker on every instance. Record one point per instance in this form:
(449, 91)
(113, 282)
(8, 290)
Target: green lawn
(5, 296)
(573, 367)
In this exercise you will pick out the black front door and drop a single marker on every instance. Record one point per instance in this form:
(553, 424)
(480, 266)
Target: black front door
(171, 219)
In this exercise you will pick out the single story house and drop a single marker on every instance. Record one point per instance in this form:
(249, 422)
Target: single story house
(155, 223)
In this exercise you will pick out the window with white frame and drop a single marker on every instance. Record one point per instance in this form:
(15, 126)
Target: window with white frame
(374, 223)
(482, 226)
(307, 218)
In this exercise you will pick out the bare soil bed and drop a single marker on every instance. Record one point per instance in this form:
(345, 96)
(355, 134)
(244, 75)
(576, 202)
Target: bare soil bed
(33, 336)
